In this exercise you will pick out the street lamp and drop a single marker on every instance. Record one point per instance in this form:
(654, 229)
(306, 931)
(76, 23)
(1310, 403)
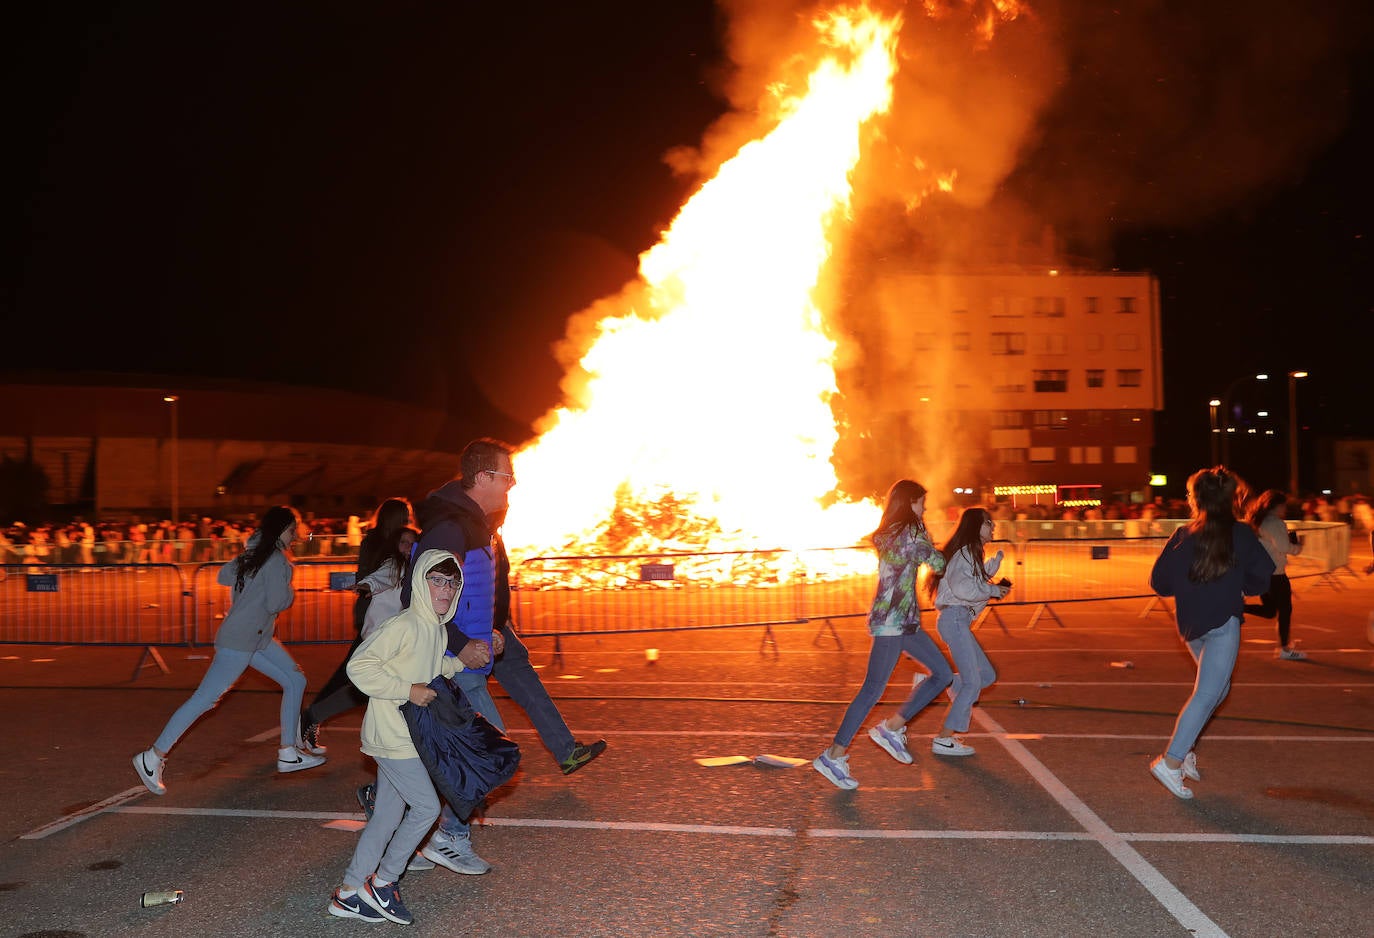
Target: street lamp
(171, 401)
(1293, 377)
(1212, 405)
(1227, 429)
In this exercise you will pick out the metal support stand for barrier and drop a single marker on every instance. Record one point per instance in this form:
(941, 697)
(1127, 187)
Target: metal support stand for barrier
(769, 641)
(1155, 601)
(557, 650)
(990, 611)
(828, 627)
(1329, 579)
(150, 652)
(1043, 609)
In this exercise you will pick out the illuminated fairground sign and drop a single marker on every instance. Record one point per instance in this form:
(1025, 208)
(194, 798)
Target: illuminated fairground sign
(1069, 496)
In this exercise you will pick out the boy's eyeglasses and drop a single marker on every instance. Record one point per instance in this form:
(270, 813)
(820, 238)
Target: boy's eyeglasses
(443, 582)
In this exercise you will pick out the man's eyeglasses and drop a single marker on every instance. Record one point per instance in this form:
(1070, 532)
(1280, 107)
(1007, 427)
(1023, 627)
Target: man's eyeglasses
(507, 475)
(443, 582)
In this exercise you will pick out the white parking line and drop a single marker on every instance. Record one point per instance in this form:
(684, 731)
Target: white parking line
(727, 830)
(1166, 893)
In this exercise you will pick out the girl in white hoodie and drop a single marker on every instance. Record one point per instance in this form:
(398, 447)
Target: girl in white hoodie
(964, 589)
(392, 665)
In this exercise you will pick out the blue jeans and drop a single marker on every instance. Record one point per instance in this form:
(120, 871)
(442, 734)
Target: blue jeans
(1215, 653)
(274, 661)
(474, 685)
(975, 670)
(519, 679)
(882, 661)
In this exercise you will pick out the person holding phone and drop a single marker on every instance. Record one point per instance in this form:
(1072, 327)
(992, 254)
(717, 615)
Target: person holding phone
(962, 591)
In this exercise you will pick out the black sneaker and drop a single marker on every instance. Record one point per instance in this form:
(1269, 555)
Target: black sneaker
(310, 740)
(367, 799)
(581, 755)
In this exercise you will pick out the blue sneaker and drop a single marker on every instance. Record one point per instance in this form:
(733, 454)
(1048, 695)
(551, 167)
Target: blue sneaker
(892, 742)
(836, 770)
(353, 907)
(386, 900)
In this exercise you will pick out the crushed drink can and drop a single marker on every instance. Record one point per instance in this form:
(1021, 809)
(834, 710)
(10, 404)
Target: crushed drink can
(170, 897)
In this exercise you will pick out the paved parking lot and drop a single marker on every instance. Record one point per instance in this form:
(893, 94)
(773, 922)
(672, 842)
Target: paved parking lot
(1054, 827)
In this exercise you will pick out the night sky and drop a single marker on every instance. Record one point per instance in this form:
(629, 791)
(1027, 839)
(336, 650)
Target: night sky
(412, 199)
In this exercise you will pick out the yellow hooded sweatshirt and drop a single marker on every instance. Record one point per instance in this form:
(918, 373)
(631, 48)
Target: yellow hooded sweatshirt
(406, 649)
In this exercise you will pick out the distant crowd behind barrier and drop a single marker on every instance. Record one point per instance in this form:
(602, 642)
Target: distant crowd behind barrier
(199, 541)
(204, 539)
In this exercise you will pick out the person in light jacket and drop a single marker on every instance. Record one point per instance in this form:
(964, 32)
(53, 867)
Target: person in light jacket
(261, 582)
(961, 593)
(1266, 517)
(392, 665)
(1209, 566)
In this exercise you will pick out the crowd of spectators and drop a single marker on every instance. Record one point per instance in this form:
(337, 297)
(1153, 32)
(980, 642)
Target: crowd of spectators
(194, 540)
(206, 539)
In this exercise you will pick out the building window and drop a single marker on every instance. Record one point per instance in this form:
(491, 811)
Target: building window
(1093, 418)
(1002, 419)
(1051, 306)
(1076, 455)
(1096, 376)
(1051, 379)
(1123, 454)
(1040, 419)
(961, 341)
(1009, 383)
(1092, 342)
(1008, 343)
(1059, 420)
(1126, 418)
(1053, 344)
(1004, 308)
(1128, 377)
(1127, 304)
(1089, 304)
(1042, 454)
(1127, 341)
(1092, 455)
(1012, 455)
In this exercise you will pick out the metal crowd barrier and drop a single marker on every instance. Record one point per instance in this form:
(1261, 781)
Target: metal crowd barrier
(65, 604)
(322, 611)
(178, 551)
(162, 604)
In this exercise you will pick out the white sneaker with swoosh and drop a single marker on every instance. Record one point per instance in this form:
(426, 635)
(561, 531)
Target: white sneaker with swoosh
(148, 765)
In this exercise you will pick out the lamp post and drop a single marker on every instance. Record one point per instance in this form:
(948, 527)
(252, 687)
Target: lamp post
(171, 401)
(1212, 406)
(1293, 377)
(1226, 427)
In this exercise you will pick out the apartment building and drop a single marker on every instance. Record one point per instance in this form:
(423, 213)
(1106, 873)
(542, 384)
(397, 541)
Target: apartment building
(1025, 378)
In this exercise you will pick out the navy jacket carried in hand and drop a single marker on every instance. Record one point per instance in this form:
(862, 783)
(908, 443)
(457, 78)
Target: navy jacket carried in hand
(466, 756)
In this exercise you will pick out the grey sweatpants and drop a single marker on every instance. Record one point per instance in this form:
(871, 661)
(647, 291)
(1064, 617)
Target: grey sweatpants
(390, 838)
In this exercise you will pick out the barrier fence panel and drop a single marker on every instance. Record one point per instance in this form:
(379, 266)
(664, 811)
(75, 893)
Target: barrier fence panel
(1060, 570)
(321, 612)
(1325, 549)
(657, 592)
(74, 604)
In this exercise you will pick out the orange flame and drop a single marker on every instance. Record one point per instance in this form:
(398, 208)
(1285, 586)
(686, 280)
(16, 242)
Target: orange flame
(709, 385)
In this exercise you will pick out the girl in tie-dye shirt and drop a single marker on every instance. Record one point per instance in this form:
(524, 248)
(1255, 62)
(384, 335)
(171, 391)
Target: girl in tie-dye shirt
(903, 546)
